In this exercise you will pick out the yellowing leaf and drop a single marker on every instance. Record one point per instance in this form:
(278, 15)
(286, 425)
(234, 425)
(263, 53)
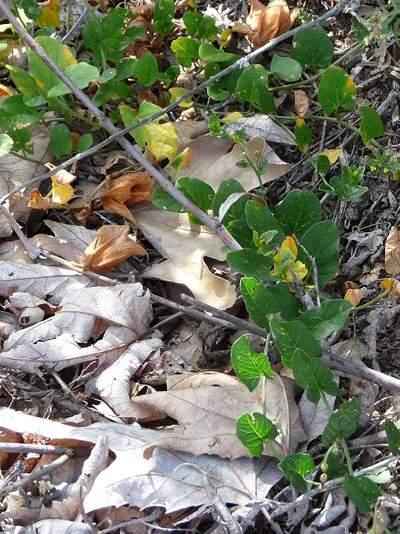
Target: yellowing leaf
(332, 154)
(61, 193)
(178, 92)
(392, 285)
(354, 296)
(289, 244)
(161, 140)
(182, 160)
(225, 37)
(232, 117)
(50, 14)
(392, 252)
(285, 265)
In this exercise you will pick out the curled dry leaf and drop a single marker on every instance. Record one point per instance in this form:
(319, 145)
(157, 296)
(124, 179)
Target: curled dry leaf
(301, 103)
(354, 295)
(126, 191)
(172, 480)
(111, 247)
(392, 252)
(269, 21)
(185, 245)
(207, 406)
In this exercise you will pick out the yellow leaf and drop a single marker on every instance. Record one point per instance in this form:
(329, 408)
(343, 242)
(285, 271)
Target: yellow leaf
(289, 244)
(182, 160)
(225, 37)
(354, 296)
(350, 86)
(61, 193)
(332, 154)
(161, 140)
(50, 14)
(387, 283)
(178, 92)
(232, 117)
(285, 265)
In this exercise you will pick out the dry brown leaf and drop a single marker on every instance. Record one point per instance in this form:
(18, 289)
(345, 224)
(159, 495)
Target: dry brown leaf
(207, 406)
(126, 191)
(213, 160)
(185, 245)
(268, 21)
(111, 247)
(354, 296)
(301, 103)
(172, 480)
(392, 252)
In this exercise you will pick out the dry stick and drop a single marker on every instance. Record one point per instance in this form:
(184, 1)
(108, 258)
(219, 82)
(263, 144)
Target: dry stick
(26, 448)
(238, 64)
(213, 224)
(333, 361)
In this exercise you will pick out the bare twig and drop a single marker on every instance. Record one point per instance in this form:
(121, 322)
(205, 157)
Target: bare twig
(25, 448)
(238, 64)
(31, 250)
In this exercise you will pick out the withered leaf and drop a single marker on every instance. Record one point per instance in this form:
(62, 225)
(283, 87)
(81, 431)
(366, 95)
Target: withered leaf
(301, 103)
(111, 247)
(268, 21)
(126, 191)
(392, 252)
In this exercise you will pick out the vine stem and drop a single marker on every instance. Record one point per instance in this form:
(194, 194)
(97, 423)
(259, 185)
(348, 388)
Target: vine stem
(213, 224)
(238, 64)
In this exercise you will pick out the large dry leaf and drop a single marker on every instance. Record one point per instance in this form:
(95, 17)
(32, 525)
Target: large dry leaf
(392, 252)
(126, 191)
(112, 317)
(40, 280)
(15, 171)
(111, 246)
(268, 21)
(264, 127)
(77, 236)
(170, 479)
(185, 244)
(207, 406)
(214, 160)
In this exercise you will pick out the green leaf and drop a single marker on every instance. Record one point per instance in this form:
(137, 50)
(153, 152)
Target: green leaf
(81, 74)
(286, 68)
(322, 243)
(346, 186)
(293, 338)
(145, 69)
(303, 135)
(330, 317)
(250, 263)
(313, 48)
(298, 211)
(6, 144)
(322, 164)
(249, 366)
(186, 50)
(253, 430)
(371, 125)
(62, 56)
(200, 26)
(252, 87)
(361, 31)
(60, 140)
(24, 82)
(363, 492)
(199, 192)
(241, 232)
(313, 376)
(260, 219)
(211, 54)
(84, 143)
(336, 90)
(262, 301)
(164, 12)
(225, 190)
(333, 465)
(393, 435)
(296, 467)
(163, 200)
(343, 422)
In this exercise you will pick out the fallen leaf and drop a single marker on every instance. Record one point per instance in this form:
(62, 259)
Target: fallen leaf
(126, 191)
(354, 296)
(392, 285)
(314, 416)
(114, 316)
(214, 160)
(185, 245)
(264, 127)
(50, 14)
(39, 280)
(333, 154)
(392, 252)
(111, 247)
(5, 91)
(170, 479)
(301, 103)
(268, 21)
(77, 236)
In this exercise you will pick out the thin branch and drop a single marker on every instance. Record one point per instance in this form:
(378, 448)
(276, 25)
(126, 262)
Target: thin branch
(26, 448)
(238, 64)
(212, 223)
